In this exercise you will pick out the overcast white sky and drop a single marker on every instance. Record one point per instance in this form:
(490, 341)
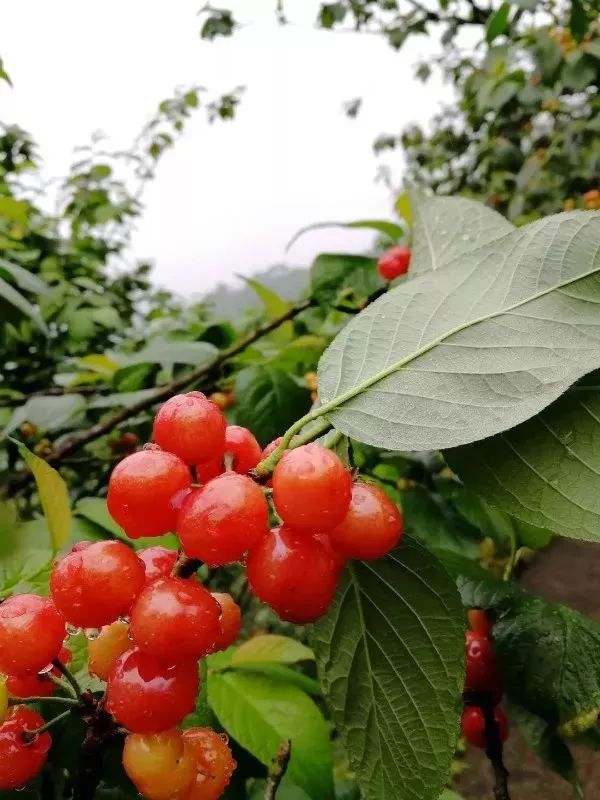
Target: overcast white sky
(229, 196)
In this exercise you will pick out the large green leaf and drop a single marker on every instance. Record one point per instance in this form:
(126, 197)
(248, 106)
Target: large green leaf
(545, 471)
(54, 497)
(390, 653)
(445, 228)
(474, 349)
(268, 401)
(261, 713)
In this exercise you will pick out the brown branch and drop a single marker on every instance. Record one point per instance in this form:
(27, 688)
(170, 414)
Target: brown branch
(278, 770)
(162, 393)
(494, 751)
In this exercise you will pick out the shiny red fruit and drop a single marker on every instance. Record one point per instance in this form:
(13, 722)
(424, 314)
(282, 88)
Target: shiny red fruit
(32, 630)
(144, 490)
(20, 762)
(481, 667)
(311, 488)
(479, 622)
(244, 448)
(473, 726)
(371, 528)
(338, 558)
(36, 685)
(230, 620)
(221, 521)
(158, 562)
(211, 469)
(146, 695)
(95, 586)
(394, 262)
(292, 573)
(214, 763)
(191, 427)
(175, 618)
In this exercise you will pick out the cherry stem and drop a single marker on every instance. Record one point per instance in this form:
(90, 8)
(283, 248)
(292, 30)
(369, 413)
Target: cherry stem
(66, 687)
(186, 567)
(289, 441)
(30, 736)
(22, 701)
(278, 770)
(228, 460)
(68, 676)
(494, 750)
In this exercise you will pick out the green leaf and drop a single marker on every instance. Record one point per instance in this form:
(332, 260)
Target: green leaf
(548, 746)
(281, 673)
(24, 279)
(391, 230)
(546, 471)
(446, 228)
(448, 794)
(270, 647)
(121, 399)
(332, 274)
(497, 23)
(578, 20)
(593, 48)
(47, 413)
(478, 347)
(54, 497)
(260, 714)
(16, 299)
(404, 208)
(268, 401)
(429, 521)
(579, 72)
(95, 510)
(275, 306)
(390, 654)
(174, 351)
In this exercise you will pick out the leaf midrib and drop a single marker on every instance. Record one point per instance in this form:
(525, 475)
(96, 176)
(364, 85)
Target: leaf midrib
(351, 393)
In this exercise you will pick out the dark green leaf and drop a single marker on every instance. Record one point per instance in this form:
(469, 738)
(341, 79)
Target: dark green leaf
(497, 23)
(333, 274)
(390, 653)
(578, 20)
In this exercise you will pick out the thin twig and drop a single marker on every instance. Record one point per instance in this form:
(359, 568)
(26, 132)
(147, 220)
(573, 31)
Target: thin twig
(278, 770)
(162, 393)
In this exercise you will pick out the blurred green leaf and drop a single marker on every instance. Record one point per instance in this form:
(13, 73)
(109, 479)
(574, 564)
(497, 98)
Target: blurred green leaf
(270, 647)
(497, 23)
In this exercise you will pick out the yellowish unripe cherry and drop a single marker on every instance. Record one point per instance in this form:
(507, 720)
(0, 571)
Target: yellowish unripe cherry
(112, 642)
(160, 765)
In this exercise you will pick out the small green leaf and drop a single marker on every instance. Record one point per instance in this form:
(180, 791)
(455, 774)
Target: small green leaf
(260, 714)
(270, 647)
(54, 497)
(275, 306)
(390, 653)
(47, 413)
(16, 299)
(497, 23)
(334, 273)
(404, 208)
(168, 352)
(95, 510)
(578, 20)
(26, 280)
(391, 230)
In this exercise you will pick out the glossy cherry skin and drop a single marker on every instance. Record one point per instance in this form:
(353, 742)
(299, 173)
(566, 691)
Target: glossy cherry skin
(339, 559)
(473, 726)
(95, 586)
(211, 469)
(159, 764)
(480, 623)
(221, 521)
(371, 528)
(482, 673)
(158, 562)
(191, 427)
(146, 695)
(230, 621)
(20, 762)
(311, 488)
(144, 491)
(37, 684)
(175, 618)
(394, 262)
(241, 447)
(294, 574)
(103, 652)
(32, 630)
(214, 763)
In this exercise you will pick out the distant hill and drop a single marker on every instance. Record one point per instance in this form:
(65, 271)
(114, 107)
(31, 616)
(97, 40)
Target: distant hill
(229, 302)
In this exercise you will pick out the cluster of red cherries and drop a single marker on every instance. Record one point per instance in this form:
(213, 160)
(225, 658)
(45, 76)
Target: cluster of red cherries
(482, 680)
(149, 622)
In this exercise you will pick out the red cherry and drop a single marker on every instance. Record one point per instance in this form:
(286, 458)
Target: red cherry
(112, 642)
(481, 667)
(371, 528)
(311, 488)
(473, 726)
(143, 492)
(394, 262)
(339, 559)
(146, 695)
(293, 574)
(158, 562)
(31, 634)
(230, 621)
(21, 761)
(93, 587)
(36, 685)
(244, 448)
(479, 622)
(159, 764)
(221, 521)
(211, 469)
(175, 617)
(214, 763)
(190, 426)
